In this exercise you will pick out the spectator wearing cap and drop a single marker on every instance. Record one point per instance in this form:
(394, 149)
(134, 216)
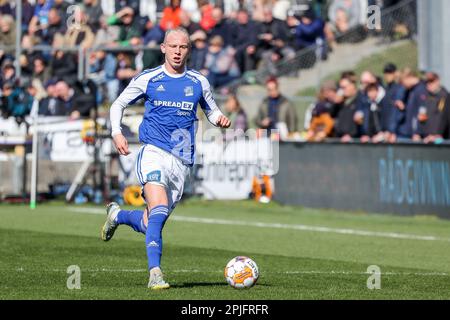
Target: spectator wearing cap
(220, 66)
(199, 51)
(405, 115)
(322, 123)
(223, 27)
(431, 113)
(171, 16)
(276, 111)
(394, 90)
(345, 127)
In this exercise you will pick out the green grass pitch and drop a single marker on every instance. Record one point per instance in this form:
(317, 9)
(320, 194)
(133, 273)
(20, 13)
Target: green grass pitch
(301, 253)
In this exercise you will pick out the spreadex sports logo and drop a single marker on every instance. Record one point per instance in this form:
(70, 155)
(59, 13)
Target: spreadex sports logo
(182, 105)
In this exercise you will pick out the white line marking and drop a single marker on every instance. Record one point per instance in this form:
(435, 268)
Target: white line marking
(331, 272)
(301, 227)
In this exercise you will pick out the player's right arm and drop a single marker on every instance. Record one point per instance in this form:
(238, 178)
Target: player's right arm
(135, 91)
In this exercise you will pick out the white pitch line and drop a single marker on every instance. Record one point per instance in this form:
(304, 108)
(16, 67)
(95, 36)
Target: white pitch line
(301, 227)
(331, 272)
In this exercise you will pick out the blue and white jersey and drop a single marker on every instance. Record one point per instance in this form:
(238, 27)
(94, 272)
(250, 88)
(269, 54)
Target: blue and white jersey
(170, 109)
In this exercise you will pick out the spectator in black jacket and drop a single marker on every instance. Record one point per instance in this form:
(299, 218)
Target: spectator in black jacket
(246, 42)
(431, 113)
(199, 51)
(406, 114)
(223, 27)
(395, 92)
(444, 127)
(40, 70)
(8, 72)
(55, 26)
(377, 124)
(274, 33)
(62, 6)
(77, 101)
(345, 127)
(49, 105)
(93, 11)
(63, 64)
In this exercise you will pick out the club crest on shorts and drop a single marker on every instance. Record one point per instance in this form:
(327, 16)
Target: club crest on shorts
(189, 91)
(154, 176)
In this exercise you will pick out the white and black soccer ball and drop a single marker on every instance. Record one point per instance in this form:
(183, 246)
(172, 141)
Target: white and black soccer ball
(241, 272)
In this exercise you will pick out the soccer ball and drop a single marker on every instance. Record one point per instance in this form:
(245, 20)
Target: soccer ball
(241, 272)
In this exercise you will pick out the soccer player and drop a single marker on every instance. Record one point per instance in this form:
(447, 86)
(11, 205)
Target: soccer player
(167, 133)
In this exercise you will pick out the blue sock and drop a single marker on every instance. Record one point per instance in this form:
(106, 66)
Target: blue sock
(153, 236)
(133, 219)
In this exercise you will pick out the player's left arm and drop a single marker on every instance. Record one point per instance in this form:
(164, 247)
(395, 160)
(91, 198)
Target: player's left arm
(210, 108)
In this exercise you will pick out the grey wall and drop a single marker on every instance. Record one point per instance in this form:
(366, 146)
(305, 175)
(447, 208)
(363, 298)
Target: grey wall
(434, 37)
(398, 179)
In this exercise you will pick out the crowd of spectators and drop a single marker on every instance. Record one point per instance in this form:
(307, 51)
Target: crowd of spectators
(230, 37)
(121, 38)
(401, 106)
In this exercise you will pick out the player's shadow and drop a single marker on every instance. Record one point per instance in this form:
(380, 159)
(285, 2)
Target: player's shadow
(198, 284)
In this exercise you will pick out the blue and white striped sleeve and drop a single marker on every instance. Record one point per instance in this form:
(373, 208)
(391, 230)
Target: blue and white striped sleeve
(208, 103)
(135, 91)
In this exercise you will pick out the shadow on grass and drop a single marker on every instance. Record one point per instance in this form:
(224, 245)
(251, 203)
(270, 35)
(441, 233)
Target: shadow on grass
(208, 284)
(198, 284)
